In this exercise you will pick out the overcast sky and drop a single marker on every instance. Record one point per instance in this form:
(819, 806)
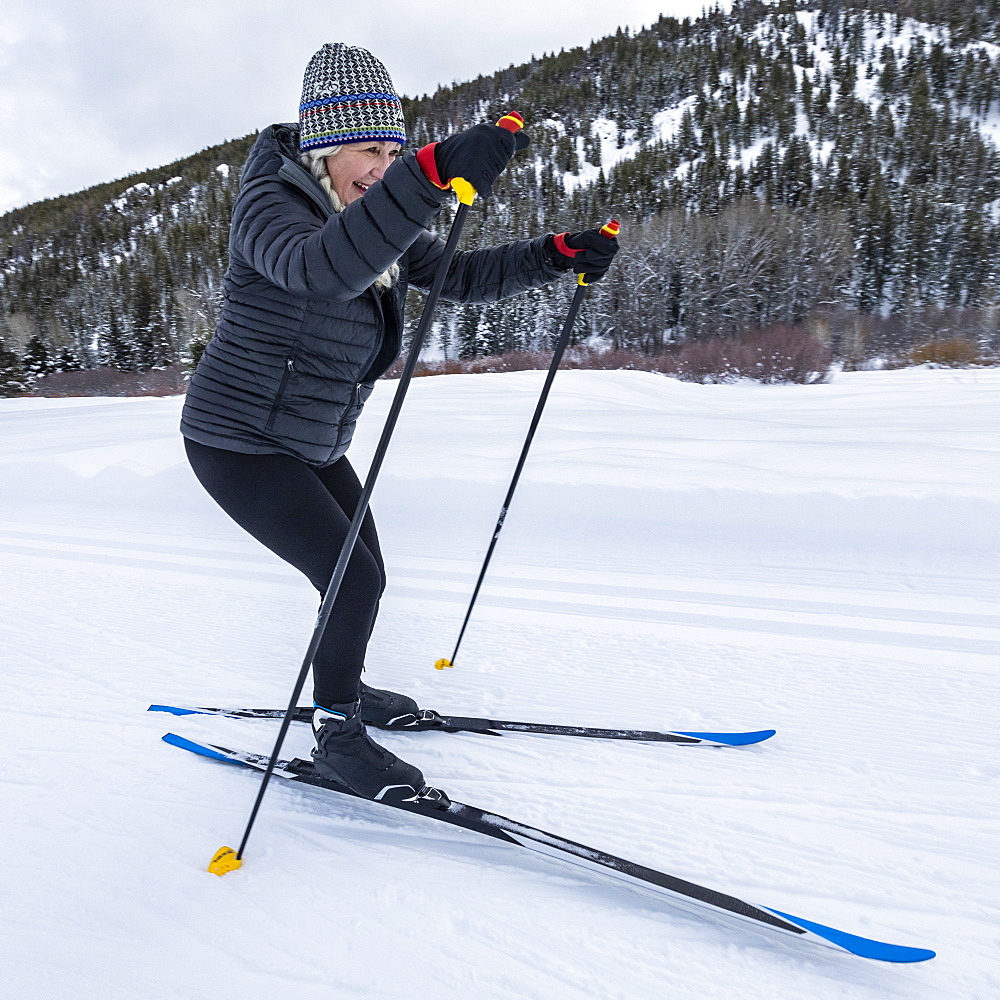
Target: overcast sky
(92, 90)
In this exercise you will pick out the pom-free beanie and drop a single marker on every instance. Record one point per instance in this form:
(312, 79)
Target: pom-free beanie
(347, 96)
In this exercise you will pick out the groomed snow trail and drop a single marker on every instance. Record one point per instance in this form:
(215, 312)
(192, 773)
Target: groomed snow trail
(820, 559)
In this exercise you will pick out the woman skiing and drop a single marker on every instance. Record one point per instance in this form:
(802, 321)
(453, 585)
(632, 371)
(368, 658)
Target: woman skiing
(329, 229)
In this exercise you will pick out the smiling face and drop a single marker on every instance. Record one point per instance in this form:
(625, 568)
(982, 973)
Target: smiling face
(358, 165)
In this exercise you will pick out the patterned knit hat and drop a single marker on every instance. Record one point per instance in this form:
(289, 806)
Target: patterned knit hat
(347, 96)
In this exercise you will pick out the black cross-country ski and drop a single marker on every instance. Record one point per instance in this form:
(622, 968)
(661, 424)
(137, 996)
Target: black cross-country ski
(434, 804)
(430, 720)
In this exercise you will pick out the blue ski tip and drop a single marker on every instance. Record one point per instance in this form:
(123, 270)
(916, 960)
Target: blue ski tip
(173, 710)
(199, 748)
(733, 739)
(861, 946)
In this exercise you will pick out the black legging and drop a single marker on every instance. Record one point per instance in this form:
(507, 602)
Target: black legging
(303, 514)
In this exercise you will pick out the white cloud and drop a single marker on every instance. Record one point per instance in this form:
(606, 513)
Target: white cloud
(91, 90)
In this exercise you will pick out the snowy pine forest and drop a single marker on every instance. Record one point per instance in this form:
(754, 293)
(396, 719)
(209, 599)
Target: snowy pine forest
(832, 167)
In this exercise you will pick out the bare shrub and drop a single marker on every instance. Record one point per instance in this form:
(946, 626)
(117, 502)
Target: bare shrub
(446, 367)
(956, 352)
(618, 359)
(717, 359)
(859, 339)
(169, 381)
(777, 354)
(788, 354)
(510, 361)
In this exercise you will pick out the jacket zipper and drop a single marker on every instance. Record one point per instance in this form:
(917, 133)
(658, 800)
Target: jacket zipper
(343, 416)
(289, 368)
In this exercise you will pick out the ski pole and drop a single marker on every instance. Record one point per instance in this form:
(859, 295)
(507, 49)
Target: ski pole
(611, 230)
(226, 859)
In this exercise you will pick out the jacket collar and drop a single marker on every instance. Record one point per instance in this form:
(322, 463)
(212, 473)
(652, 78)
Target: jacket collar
(281, 141)
(297, 175)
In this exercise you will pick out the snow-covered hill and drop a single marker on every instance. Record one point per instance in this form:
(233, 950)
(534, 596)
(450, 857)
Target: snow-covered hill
(821, 559)
(771, 164)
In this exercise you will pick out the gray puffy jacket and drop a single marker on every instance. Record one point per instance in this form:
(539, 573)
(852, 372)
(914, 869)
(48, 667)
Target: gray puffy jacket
(303, 334)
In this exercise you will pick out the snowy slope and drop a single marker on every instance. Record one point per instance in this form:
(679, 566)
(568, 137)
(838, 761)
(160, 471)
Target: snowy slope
(820, 559)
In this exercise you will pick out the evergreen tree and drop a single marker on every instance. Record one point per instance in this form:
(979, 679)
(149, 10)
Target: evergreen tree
(37, 361)
(13, 378)
(767, 143)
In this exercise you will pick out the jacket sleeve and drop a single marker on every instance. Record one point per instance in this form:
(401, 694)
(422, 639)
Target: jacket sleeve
(281, 236)
(482, 275)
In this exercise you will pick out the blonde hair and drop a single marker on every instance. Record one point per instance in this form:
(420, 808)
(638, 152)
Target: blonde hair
(314, 160)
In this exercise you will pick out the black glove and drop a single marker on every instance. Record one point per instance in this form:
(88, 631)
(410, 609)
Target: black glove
(589, 253)
(479, 155)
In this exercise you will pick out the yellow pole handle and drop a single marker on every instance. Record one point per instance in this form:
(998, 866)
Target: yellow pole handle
(464, 191)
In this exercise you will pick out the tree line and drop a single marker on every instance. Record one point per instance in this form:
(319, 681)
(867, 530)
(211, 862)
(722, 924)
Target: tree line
(820, 164)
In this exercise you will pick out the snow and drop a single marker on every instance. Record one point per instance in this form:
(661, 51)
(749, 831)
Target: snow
(138, 190)
(820, 559)
(989, 127)
(606, 132)
(667, 123)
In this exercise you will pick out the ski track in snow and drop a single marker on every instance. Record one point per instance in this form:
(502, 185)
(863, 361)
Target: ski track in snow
(821, 560)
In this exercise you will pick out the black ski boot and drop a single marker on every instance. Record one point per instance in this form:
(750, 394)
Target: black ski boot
(386, 708)
(345, 753)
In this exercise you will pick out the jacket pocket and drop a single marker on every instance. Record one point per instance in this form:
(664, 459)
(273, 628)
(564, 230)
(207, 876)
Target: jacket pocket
(349, 417)
(282, 385)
